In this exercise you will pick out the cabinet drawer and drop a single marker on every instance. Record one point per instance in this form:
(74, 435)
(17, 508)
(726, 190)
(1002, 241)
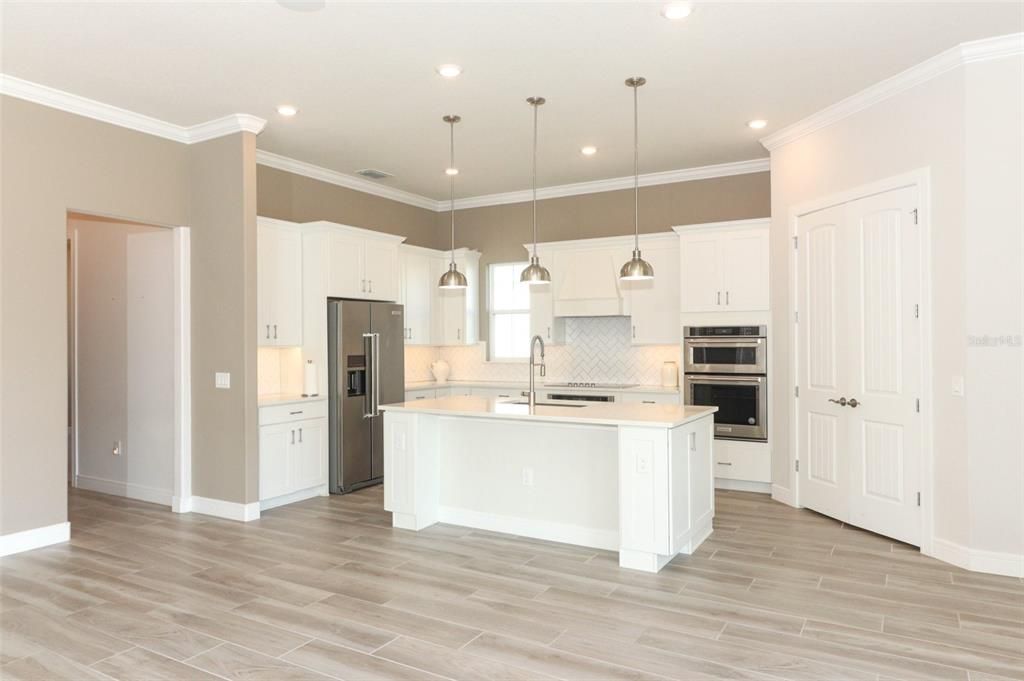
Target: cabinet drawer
(738, 460)
(283, 413)
(651, 398)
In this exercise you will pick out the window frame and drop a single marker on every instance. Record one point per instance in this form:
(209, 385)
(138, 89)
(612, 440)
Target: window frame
(492, 313)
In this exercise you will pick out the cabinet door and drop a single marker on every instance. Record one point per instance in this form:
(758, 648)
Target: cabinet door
(380, 270)
(275, 442)
(308, 456)
(700, 287)
(419, 287)
(654, 304)
(743, 258)
(451, 308)
(345, 267)
(286, 296)
(266, 245)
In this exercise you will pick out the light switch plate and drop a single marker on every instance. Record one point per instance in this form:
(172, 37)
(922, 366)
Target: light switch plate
(222, 379)
(958, 386)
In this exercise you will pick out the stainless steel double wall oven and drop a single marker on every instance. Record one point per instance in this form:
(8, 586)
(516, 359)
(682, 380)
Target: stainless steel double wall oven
(727, 367)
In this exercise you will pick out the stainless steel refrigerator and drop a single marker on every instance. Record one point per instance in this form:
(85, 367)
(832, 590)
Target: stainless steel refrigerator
(366, 368)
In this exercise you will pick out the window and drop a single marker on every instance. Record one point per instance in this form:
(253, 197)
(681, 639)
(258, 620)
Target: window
(509, 308)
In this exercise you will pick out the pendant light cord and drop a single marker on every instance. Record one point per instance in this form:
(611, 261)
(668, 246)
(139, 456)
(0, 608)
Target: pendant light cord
(636, 169)
(451, 185)
(535, 107)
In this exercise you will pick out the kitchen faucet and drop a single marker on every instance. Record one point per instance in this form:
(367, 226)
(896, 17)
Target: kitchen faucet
(543, 371)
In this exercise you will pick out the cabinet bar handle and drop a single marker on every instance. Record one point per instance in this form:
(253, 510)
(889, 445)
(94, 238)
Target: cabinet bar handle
(268, 331)
(549, 333)
(718, 301)
(294, 413)
(726, 297)
(724, 463)
(300, 435)
(275, 331)
(293, 437)
(649, 402)
(634, 332)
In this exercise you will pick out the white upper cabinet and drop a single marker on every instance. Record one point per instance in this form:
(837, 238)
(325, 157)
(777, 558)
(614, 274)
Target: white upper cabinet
(543, 321)
(278, 283)
(458, 318)
(654, 304)
(360, 263)
(417, 293)
(724, 266)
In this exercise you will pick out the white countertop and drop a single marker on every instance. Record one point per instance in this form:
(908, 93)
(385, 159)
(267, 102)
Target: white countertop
(524, 385)
(287, 398)
(650, 415)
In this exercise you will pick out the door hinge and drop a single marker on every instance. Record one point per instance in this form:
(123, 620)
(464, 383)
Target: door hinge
(796, 242)
(917, 405)
(918, 498)
(798, 465)
(914, 212)
(917, 311)
(796, 391)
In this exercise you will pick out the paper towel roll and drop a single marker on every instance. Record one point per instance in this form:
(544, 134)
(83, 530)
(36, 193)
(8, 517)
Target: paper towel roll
(309, 379)
(669, 375)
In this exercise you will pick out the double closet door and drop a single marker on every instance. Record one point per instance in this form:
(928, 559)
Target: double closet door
(859, 363)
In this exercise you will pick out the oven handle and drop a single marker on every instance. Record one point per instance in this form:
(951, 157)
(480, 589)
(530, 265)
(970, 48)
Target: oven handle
(736, 343)
(698, 378)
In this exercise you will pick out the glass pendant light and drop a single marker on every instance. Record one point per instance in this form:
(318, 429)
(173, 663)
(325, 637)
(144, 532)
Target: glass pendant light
(637, 269)
(535, 273)
(452, 279)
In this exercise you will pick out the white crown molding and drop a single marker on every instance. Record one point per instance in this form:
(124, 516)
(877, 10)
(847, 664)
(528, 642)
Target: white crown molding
(758, 165)
(90, 108)
(291, 165)
(964, 53)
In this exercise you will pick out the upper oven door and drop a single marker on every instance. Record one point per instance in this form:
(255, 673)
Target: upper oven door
(725, 356)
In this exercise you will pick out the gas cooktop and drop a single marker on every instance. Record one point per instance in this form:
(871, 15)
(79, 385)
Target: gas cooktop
(587, 384)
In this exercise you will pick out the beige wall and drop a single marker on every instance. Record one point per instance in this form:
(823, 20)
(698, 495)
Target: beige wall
(287, 196)
(499, 232)
(53, 163)
(973, 151)
(225, 455)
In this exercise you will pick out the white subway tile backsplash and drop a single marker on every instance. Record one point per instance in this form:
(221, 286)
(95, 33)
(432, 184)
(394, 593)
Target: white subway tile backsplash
(597, 349)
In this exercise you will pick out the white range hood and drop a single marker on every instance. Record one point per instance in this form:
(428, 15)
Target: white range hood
(585, 283)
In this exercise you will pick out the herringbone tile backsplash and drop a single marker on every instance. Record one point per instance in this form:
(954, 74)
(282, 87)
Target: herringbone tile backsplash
(596, 349)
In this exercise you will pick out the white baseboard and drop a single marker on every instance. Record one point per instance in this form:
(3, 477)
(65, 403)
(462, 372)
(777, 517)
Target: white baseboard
(537, 529)
(743, 485)
(301, 495)
(225, 509)
(978, 560)
(124, 489)
(181, 504)
(784, 495)
(36, 538)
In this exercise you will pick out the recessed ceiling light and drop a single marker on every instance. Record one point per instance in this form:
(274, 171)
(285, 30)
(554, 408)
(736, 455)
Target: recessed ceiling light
(451, 171)
(287, 110)
(757, 123)
(588, 151)
(676, 10)
(449, 70)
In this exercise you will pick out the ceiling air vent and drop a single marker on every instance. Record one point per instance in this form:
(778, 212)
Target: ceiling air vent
(373, 174)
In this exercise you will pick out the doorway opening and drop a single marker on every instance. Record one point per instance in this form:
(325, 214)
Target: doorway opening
(128, 387)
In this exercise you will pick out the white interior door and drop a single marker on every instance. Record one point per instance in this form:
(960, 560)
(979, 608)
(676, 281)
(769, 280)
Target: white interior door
(884, 353)
(822, 429)
(858, 363)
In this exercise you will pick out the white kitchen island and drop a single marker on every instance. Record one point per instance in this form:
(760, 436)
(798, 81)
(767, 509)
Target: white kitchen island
(632, 478)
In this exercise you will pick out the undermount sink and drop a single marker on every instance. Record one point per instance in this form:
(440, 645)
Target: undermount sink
(548, 404)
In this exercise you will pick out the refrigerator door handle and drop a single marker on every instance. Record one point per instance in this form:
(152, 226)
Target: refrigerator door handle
(369, 361)
(376, 374)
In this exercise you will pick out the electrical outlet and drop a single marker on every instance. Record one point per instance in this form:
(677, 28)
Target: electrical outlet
(222, 379)
(528, 477)
(116, 449)
(958, 386)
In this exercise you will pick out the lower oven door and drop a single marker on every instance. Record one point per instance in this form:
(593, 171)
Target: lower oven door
(741, 400)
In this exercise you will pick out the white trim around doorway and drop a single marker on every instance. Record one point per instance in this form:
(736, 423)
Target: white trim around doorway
(921, 179)
(181, 501)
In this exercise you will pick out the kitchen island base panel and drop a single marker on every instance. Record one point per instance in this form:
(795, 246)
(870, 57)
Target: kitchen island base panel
(646, 492)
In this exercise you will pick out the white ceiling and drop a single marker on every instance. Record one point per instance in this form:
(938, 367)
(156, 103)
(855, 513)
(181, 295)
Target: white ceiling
(363, 75)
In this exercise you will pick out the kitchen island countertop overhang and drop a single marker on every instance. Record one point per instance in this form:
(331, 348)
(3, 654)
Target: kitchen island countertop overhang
(632, 478)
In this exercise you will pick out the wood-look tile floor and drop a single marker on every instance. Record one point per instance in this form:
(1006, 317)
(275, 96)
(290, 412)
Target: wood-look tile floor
(326, 589)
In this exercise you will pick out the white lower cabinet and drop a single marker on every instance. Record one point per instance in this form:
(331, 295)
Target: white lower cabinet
(425, 394)
(293, 452)
(739, 460)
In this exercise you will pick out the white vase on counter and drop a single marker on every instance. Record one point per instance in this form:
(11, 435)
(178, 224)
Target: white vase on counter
(441, 370)
(669, 375)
